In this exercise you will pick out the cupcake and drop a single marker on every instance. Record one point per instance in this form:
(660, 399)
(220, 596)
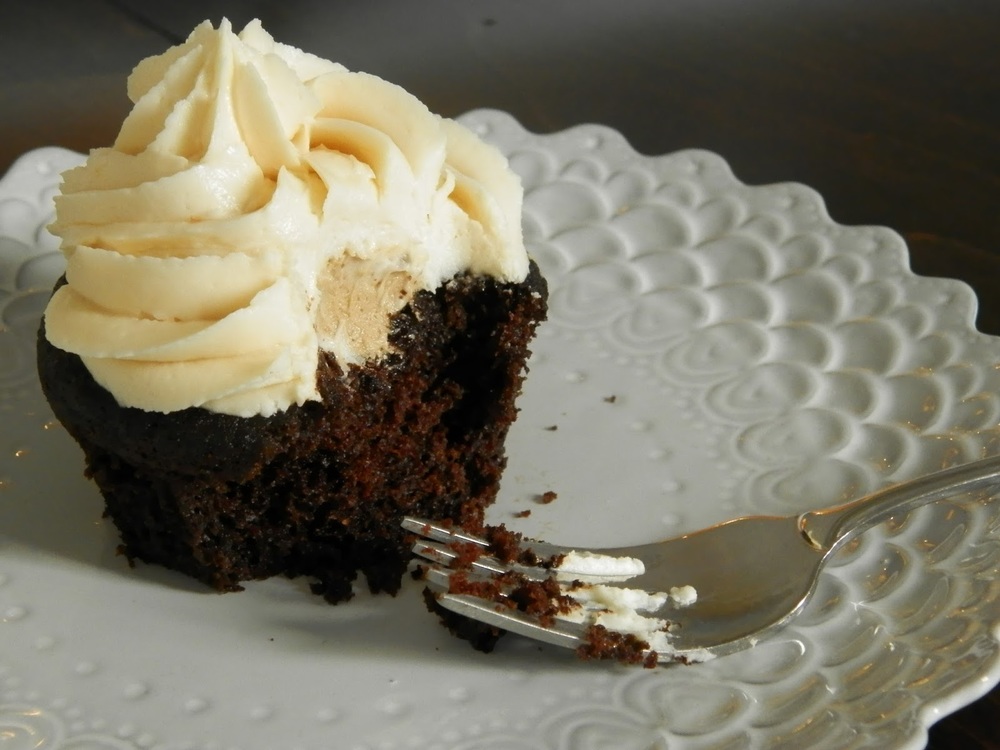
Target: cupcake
(297, 306)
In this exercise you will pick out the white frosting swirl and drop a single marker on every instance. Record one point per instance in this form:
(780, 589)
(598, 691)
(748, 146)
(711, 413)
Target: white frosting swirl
(259, 205)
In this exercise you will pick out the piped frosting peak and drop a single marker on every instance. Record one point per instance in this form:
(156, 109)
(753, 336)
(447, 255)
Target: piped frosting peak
(259, 205)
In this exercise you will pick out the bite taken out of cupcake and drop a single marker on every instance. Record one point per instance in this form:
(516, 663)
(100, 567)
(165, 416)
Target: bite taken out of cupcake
(297, 306)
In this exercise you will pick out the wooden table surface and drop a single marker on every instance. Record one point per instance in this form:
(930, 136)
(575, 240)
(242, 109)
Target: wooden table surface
(889, 108)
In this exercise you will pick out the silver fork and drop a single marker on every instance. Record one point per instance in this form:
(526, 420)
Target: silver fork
(752, 575)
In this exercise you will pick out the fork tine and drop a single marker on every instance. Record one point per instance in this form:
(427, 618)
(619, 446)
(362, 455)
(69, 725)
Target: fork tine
(437, 578)
(436, 544)
(542, 551)
(513, 620)
(561, 632)
(443, 555)
(438, 533)
(436, 553)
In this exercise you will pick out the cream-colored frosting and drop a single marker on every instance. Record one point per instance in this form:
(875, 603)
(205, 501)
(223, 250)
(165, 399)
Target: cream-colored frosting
(259, 205)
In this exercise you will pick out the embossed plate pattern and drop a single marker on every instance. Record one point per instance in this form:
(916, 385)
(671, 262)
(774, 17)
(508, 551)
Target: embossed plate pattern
(713, 349)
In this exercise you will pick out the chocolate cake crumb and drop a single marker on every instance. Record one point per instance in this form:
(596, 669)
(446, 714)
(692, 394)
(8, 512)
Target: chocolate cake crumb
(547, 497)
(542, 599)
(551, 428)
(466, 553)
(318, 490)
(509, 546)
(504, 544)
(610, 399)
(626, 648)
(523, 513)
(489, 588)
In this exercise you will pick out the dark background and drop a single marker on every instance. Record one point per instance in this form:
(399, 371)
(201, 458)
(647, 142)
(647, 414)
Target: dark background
(889, 108)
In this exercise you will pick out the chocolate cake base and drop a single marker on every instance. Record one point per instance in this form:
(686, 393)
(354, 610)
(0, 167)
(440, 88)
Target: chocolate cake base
(318, 490)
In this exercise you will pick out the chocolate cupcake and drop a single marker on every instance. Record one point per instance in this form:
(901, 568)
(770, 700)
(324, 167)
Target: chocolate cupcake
(297, 306)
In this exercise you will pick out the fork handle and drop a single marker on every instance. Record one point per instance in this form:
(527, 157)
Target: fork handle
(829, 528)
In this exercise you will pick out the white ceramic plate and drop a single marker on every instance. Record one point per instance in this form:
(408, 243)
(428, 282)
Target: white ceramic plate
(760, 358)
